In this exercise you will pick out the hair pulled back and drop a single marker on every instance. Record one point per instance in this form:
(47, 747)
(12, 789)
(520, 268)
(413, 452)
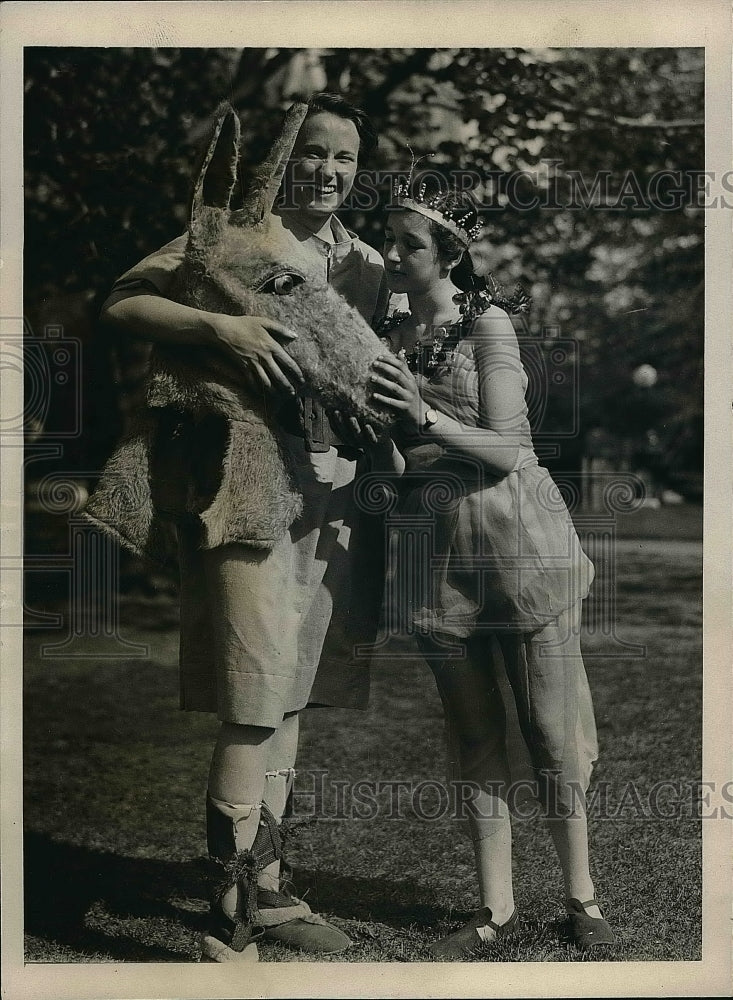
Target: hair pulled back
(463, 274)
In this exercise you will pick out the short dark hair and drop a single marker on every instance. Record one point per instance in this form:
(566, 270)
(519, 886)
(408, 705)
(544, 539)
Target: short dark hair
(335, 104)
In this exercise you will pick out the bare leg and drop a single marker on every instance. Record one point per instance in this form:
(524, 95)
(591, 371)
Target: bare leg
(239, 762)
(475, 727)
(546, 672)
(570, 837)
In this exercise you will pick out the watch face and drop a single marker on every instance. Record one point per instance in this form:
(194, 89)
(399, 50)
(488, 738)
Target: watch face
(431, 417)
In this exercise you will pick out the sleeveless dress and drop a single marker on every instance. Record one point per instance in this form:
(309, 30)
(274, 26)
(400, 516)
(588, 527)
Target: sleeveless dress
(471, 553)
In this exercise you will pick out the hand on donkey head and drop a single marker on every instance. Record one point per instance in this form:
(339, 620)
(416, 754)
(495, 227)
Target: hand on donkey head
(201, 413)
(256, 347)
(245, 263)
(237, 264)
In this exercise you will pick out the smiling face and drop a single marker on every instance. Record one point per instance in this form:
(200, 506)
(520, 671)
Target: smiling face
(411, 258)
(322, 165)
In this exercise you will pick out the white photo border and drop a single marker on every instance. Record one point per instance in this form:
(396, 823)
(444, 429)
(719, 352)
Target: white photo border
(392, 24)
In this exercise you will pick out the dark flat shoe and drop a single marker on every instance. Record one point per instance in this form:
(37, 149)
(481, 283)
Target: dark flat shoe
(586, 931)
(466, 941)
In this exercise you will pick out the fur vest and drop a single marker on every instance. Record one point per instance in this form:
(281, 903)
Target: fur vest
(201, 452)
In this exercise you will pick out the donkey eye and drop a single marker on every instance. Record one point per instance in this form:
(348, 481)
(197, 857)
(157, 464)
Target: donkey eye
(282, 284)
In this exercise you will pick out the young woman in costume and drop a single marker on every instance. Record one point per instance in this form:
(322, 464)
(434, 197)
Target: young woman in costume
(498, 558)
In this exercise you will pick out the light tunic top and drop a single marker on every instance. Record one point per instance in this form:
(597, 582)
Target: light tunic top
(497, 552)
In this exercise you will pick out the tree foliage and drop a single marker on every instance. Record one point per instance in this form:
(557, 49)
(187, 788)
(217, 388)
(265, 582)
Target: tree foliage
(111, 136)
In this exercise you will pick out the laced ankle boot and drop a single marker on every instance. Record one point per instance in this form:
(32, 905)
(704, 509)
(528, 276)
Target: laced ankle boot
(233, 927)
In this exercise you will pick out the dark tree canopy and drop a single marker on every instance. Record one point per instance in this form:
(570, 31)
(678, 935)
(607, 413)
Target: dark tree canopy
(111, 136)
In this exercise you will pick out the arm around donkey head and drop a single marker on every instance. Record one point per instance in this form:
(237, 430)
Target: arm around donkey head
(141, 308)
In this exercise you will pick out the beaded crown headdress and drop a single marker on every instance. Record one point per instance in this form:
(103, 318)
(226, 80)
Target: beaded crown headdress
(453, 219)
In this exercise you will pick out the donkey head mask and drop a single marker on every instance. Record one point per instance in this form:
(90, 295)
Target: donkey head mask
(246, 262)
(240, 262)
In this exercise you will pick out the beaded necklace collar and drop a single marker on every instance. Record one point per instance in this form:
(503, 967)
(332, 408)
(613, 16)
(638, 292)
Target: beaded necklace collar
(438, 355)
(430, 358)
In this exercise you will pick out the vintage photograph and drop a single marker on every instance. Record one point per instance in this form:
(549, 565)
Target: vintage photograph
(363, 417)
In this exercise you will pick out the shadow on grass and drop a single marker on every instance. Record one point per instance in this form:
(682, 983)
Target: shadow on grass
(150, 910)
(379, 900)
(65, 885)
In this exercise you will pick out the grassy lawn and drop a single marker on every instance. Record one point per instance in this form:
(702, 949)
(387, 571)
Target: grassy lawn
(115, 778)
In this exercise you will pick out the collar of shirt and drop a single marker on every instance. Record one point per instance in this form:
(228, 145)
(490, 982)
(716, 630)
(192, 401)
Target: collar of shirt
(353, 268)
(344, 241)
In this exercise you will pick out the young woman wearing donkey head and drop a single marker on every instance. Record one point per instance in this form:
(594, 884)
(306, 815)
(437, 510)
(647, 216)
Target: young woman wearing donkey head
(266, 599)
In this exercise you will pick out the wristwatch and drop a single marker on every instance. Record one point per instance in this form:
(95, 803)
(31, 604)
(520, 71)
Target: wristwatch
(430, 418)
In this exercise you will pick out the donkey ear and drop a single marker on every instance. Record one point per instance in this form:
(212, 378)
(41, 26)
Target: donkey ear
(265, 182)
(218, 171)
